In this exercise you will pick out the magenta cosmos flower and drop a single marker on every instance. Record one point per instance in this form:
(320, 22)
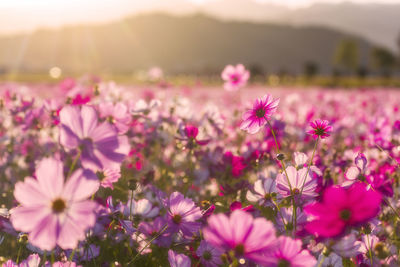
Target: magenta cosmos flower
(235, 77)
(182, 214)
(247, 237)
(341, 208)
(54, 212)
(289, 253)
(320, 129)
(255, 118)
(100, 145)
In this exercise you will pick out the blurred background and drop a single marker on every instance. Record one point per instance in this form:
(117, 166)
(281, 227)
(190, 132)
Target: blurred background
(321, 42)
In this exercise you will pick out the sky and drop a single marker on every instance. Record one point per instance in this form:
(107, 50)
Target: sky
(28, 15)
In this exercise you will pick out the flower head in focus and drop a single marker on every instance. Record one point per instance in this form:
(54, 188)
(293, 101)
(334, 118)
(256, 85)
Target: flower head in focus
(320, 129)
(58, 212)
(258, 116)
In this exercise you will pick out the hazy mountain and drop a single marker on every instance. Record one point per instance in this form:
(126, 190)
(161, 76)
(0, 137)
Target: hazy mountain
(378, 23)
(191, 44)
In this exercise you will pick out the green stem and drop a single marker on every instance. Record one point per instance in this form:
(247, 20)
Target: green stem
(322, 261)
(130, 206)
(278, 150)
(74, 163)
(71, 256)
(148, 244)
(369, 249)
(309, 165)
(19, 252)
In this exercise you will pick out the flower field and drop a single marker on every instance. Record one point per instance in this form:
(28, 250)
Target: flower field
(101, 174)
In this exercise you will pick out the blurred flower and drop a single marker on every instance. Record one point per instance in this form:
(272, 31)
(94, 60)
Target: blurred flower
(341, 208)
(209, 255)
(108, 177)
(100, 145)
(247, 237)
(117, 115)
(58, 213)
(235, 77)
(257, 117)
(289, 252)
(178, 260)
(320, 129)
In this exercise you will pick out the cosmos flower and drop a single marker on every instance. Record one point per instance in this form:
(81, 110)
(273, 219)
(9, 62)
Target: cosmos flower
(257, 117)
(289, 252)
(296, 179)
(108, 177)
(320, 129)
(247, 237)
(117, 114)
(142, 208)
(154, 228)
(236, 164)
(100, 145)
(189, 134)
(58, 213)
(341, 208)
(209, 255)
(264, 192)
(235, 77)
(178, 260)
(182, 214)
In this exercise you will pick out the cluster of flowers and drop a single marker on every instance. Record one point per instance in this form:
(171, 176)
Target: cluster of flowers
(102, 175)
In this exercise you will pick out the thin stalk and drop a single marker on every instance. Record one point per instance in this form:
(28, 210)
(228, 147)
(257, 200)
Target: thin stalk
(148, 243)
(74, 163)
(130, 206)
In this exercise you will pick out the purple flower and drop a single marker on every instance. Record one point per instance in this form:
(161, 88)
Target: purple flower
(58, 213)
(289, 253)
(235, 77)
(178, 260)
(209, 255)
(320, 129)
(296, 180)
(247, 237)
(182, 214)
(100, 145)
(153, 228)
(257, 117)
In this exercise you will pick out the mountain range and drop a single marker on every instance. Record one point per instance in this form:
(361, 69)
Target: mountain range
(377, 22)
(178, 44)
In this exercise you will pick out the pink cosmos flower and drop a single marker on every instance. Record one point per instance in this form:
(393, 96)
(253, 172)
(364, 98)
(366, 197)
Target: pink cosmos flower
(341, 208)
(58, 213)
(182, 214)
(264, 192)
(320, 129)
(247, 237)
(257, 117)
(235, 77)
(100, 145)
(289, 252)
(117, 115)
(178, 260)
(296, 178)
(108, 177)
